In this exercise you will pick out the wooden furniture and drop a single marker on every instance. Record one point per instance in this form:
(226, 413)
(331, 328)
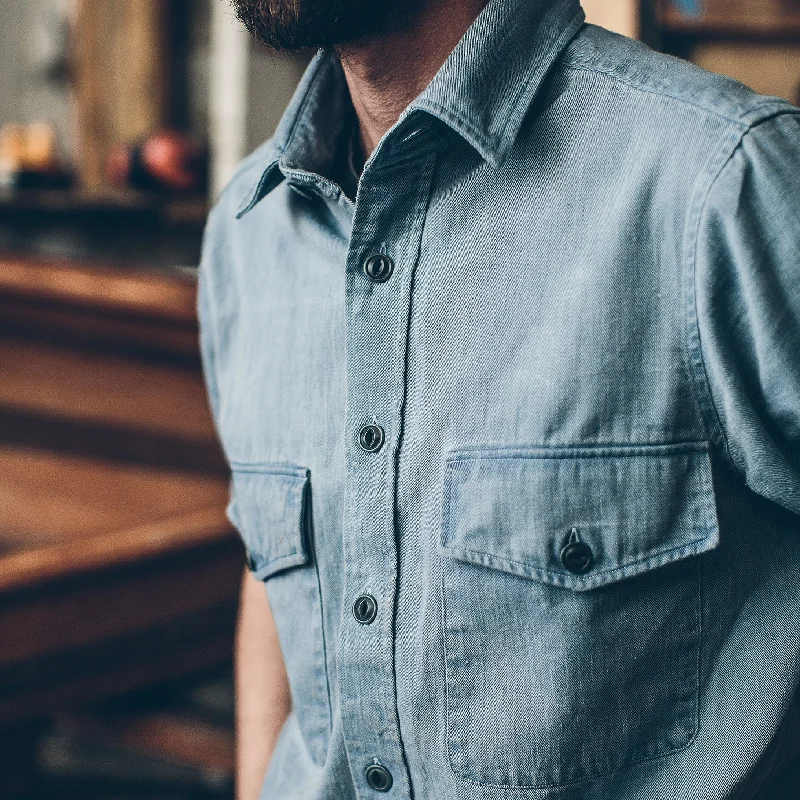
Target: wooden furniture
(733, 19)
(118, 568)
(121, 77)
(757, 42)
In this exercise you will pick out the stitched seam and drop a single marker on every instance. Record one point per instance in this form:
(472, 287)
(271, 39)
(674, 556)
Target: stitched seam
(292, 559)
(709, 413)
(677, 98)
(655, 556)
(694, 343)
(471, 453)
(307, 527)
(423, 201)
(267, 468)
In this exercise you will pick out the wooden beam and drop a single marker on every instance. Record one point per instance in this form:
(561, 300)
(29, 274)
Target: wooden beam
(121, 78)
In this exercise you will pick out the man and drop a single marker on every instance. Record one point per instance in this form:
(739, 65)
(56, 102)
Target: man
(512, 412)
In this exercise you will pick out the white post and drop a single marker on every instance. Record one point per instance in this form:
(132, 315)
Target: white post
(230, 44)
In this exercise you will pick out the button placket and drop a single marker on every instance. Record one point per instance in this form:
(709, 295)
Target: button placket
(388, 217)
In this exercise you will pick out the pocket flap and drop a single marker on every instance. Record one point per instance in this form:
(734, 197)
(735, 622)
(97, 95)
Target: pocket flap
(268, 508)
(631, 509)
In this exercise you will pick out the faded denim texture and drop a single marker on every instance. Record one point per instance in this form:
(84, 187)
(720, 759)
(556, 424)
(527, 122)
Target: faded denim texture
(591, 337)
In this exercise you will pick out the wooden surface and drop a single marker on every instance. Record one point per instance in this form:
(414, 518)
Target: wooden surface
(64, 515)
(43, 379)
(118, 568)
(99, 305)
(132, 293)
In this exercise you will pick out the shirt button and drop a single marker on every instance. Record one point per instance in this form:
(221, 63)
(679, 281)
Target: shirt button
(379, 267)
(371, 437)
(379, 778)
(365, 609)
(577, 557)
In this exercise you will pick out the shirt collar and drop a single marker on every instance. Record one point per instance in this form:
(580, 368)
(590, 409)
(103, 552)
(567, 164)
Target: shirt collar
(482, 91)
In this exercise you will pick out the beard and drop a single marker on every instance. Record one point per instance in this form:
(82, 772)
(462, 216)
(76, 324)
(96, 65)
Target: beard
(294, 25)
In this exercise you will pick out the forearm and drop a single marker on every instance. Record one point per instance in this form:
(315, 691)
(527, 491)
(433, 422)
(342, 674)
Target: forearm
(262, 689)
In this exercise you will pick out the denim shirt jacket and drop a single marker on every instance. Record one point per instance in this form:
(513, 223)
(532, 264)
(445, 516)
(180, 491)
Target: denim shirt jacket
(515, 432)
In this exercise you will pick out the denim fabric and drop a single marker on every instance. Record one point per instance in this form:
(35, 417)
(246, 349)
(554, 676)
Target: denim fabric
(590, 340)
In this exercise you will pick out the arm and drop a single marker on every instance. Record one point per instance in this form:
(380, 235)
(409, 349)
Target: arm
(263, 700)
(745, 340)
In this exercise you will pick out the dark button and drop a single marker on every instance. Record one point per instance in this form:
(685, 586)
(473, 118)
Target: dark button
(379, 267)
(379, 778)
(365, 609)
(370, 437)
(577, 557)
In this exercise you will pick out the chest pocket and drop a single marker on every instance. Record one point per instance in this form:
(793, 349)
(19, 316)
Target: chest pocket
(572, 616)
(271, 508)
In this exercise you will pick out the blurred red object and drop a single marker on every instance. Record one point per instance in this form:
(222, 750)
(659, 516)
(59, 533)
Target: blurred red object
(166, 160)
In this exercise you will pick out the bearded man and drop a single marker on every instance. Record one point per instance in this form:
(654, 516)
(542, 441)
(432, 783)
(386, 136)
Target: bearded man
(501, 331)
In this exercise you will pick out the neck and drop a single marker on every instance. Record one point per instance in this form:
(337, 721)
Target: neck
(385, 73)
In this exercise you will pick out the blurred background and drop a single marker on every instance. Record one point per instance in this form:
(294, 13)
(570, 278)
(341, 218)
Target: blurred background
(120, 120)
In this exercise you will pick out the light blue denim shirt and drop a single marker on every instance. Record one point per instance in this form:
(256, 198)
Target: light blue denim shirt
(515, 436)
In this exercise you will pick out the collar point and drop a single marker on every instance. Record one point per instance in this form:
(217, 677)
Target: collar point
(269, 179)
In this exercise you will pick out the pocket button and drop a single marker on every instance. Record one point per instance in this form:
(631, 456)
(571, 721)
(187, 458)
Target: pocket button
(577, 557)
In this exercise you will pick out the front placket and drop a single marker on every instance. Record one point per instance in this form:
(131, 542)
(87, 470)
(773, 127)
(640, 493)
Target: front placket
(382, 258)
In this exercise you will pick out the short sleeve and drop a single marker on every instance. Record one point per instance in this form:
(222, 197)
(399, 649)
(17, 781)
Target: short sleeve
(745, 335)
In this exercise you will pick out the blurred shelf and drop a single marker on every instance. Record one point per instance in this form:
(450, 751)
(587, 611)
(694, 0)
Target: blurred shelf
(156, 294)
(766, 22)
(191, 210)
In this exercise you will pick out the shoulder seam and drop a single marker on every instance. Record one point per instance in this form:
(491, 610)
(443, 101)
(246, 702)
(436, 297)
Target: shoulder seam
(764, 103)
(777, 112)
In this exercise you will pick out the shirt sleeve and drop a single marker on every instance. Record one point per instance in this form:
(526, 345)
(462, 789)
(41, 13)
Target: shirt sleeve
(744, 337)
(205, 314)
